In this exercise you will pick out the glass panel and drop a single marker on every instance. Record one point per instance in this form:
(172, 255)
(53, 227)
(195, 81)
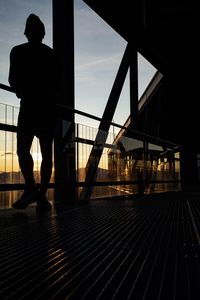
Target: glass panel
(15, 113)
(122, 111)
(2, 157)
(139, 166)
(2, 113)
(9, 157)
(146, 71)
(9, 166)
(125, 159)
(9, 115)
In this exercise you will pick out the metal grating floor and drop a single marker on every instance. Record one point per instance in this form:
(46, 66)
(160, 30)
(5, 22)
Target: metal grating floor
(125, 249)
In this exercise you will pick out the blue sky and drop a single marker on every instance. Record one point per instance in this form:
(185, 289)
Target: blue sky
(98, 51)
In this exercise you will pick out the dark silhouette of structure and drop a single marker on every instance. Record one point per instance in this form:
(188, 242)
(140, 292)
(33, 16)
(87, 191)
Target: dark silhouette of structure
(33, 76)
(146, 248)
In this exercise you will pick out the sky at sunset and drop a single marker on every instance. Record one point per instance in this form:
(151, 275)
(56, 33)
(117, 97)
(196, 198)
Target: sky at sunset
(98, 52)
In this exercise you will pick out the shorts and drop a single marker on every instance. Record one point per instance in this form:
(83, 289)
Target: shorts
(38, 123)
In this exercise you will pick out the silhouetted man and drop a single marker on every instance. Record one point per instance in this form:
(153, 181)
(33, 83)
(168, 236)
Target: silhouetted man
(34, 76)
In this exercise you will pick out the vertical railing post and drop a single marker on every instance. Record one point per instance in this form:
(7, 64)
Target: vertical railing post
(77, 156)
(63, 43)
(134, 87)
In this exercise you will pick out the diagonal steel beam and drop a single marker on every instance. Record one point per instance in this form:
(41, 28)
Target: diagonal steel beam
(101, 137)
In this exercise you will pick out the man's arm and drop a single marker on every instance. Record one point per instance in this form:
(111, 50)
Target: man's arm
(14, 72)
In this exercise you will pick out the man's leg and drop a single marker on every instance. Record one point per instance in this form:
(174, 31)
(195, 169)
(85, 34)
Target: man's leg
(24, 142)
(46, 142)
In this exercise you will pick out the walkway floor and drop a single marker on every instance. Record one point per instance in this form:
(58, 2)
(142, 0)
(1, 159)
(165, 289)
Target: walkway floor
(123, 249)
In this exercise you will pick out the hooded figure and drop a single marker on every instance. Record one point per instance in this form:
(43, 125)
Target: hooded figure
(34, 27)
(34, 76)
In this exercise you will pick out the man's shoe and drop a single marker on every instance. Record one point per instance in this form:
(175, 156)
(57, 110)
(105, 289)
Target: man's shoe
(43, 203)
(27, 198)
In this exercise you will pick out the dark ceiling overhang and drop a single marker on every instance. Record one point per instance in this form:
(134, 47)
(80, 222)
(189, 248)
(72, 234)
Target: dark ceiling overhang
(159, 29)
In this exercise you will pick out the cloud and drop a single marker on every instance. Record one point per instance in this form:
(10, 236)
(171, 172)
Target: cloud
(94, 35)
(98, 63)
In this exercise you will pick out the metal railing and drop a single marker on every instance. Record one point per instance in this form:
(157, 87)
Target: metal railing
(130, 163)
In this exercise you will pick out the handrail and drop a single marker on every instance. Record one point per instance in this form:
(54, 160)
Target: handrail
(63, 110)
(7, 127)
(76, 111)
(6, 88)
(144, 135)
